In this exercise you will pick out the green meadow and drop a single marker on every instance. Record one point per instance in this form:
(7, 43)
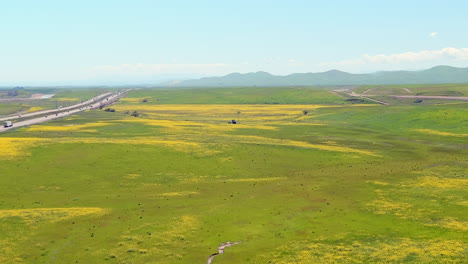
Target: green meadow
(242, 95)
(305, 176)
(10, 108)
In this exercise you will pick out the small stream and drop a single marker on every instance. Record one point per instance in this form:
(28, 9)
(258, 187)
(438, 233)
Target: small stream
(221, 250)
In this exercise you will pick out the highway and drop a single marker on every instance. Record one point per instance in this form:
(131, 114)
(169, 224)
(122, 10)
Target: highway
(45, 112)
(46, 115)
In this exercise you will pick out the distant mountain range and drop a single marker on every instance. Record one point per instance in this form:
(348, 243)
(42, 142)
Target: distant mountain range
(438, 74)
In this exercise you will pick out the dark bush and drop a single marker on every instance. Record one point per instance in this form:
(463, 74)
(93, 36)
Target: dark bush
(357, 101)
(13, 93)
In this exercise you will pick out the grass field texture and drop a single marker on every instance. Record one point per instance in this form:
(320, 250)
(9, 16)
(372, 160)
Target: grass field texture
(304, 177)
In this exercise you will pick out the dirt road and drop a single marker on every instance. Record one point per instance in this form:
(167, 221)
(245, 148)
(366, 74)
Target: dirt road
(367, 97)
(66, 111)
(221, 250)
(407, 90)
(368, 90)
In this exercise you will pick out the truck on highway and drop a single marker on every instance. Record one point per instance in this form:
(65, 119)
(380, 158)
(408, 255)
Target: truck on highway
(7, 124)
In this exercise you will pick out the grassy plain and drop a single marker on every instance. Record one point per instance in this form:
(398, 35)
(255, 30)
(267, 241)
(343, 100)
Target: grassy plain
(258, 95)
(343, 184)
(9, 108)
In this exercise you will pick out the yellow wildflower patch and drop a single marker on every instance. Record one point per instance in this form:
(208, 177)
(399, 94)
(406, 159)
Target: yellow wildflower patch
(221, 109)
(195, 126)
(293, 143)
(431, 181)
(82, 127)
(9, 251)
(177, 193)
(224, 108)
(397, 251)
(173, 144)
(16, 147)
(182, 226)
(451, 223)
(244, 113)
(440, 133)
(61, 99)
(35, 215)
(134, 99)
(428, 213)
(387, 206)
(34, 109)
(256, 179)
(195, 179)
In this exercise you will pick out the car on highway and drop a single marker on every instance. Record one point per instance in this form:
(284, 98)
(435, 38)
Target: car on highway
(7, 124)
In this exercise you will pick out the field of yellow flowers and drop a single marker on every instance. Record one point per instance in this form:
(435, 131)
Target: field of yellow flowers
(295, 183)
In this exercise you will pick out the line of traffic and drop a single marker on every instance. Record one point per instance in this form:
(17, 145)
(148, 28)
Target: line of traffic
(93, 103)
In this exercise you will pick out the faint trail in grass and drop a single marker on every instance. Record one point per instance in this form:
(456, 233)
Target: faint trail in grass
(367, 97)
(368, 90)
(407, 90)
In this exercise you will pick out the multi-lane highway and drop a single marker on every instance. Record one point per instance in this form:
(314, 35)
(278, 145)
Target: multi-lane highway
(46, 115)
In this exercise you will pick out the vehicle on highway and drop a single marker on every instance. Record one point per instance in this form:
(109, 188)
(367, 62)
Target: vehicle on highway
(7, 124)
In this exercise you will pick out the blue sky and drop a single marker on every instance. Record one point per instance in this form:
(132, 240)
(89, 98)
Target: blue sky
(107, 42)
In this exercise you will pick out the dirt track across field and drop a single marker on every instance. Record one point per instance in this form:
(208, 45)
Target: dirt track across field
(367, 97)
(407, 90)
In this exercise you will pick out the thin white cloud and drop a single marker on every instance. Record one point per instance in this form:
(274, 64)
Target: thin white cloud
(446, 55)
(146, 69)
(433, 34)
